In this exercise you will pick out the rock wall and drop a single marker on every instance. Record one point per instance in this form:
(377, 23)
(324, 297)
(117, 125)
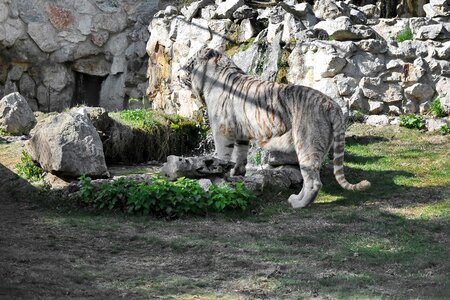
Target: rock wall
(373, 65)
(60, 53)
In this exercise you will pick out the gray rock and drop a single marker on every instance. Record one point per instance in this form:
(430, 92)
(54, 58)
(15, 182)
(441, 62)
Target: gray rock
(16, 72)
(341, 29)
(116, 22)
(327, 9)
(208, 12)
(68, 144)
(372, 45)
(4, 12)
(429, 32)
(30, 11)
(376, 107)
(375, 90)
(16, 117)
(226, 8)
(96, 66)
(394, 110)
(409, 106)
(27, 86)
(56, 76)
(245, 12)
(376, 120)
(14, 29)
(345, 85)
(117, 44)
(112, 93)
(436, 124)
(419, 92)
(44, 35)
(368, 64)
(278, 158)
(424, 107)
(109, 6)
(246, 31)
(445, 103)
(192, 10)
(195, 167)
(371, 11)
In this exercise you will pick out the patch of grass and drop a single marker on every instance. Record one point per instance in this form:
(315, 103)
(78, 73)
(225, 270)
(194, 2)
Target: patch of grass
(141, 135)
(405, 34)
(27, 169)
(436, 109)
(445, 129)
(4, 132)
(412, 122)
(248, 43)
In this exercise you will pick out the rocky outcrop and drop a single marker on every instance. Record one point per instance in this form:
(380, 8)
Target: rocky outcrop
(59, 45)
(67, 144)
(16, 116)
(375, 66)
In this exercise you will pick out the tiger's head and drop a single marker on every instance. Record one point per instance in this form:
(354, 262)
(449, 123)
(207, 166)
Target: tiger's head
(197, 63)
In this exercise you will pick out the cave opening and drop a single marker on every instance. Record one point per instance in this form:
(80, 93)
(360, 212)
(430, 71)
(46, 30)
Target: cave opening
(87, 89)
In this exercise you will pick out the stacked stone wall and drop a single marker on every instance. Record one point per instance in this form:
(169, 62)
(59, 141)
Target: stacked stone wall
(368, 64)
(45, 44)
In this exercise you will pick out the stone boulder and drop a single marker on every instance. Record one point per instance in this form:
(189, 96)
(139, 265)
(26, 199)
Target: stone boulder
(341, 29)
(67, 144)
(194, 167)
(445, 103)
(16, 116)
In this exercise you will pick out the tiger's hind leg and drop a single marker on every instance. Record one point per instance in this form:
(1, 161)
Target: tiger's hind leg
(311, 184)
(310, 151)
(240, 157)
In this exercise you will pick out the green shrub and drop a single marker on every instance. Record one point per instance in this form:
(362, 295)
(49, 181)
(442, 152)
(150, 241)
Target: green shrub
(4, 132)
(405, 34)
(436, 109)
(164, 198)
(412, 121)
(256, 158)
(445, 129)
(27, 169)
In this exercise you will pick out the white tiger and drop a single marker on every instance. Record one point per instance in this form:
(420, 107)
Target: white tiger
(281, 117)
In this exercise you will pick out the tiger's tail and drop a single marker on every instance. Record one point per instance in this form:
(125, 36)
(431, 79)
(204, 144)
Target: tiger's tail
(338, 154)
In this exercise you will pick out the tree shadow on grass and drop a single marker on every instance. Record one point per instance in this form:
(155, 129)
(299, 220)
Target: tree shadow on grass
(36, 261)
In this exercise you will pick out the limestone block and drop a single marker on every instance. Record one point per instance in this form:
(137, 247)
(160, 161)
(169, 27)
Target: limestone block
(419, 92)
(377, 120)
(227, 8)
(16, 117)
(69, 144)
(44, 35)
(376, 107)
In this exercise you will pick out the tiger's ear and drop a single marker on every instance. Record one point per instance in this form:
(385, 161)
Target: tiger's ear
(209, 53)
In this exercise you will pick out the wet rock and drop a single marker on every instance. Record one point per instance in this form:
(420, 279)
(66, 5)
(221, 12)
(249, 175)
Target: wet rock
(278, 158)
(67, 144)
(16, 116)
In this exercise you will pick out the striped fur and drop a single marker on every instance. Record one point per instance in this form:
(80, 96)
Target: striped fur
(278, 116)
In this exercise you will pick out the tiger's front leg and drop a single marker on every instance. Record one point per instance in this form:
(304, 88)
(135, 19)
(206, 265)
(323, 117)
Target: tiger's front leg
(240, 157)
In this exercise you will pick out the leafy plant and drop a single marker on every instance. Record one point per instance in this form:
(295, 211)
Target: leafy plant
(445, 129)
(412, 121)
(256, 159)
(164, 198)
(4, 132)
(27, 169)
(405, 34)
(436, 109)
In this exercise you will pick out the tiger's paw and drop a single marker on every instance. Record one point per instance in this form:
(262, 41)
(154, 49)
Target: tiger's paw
(297, 201)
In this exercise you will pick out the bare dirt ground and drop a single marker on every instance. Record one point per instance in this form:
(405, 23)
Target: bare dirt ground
(342, 250)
